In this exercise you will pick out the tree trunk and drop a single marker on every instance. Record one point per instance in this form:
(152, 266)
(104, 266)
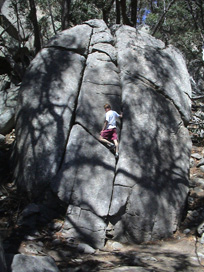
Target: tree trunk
(117, 12)
(124, 15)
(65, 13)
(134, 12)
(106, 10)
(33, 17)
(189, 3)
(9, 28)
(51, 16)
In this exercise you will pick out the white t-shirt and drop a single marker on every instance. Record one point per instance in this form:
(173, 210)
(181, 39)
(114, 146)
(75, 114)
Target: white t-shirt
(111, 119)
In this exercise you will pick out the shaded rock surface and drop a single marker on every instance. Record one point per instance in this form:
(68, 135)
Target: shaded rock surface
(8, 104)
(140, 197)
(33, 263)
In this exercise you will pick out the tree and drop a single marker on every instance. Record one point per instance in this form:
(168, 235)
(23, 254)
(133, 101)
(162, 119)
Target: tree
(117, 12)
(134, 12)
(51, 16)
(182, 26)
(34, 21)
(126, 20)
(180, 23)
(161, 19)
(196, 9)
(66, 4)
(106, 10)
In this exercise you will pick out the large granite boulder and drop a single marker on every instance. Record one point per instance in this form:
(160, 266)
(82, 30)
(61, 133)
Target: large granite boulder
(140, 197)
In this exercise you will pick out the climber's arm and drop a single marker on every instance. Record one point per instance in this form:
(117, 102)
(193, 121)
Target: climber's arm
(105, 125)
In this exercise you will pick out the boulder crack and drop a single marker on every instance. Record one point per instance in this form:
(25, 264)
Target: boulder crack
(157, 88)
(77, 51)
(72, 121)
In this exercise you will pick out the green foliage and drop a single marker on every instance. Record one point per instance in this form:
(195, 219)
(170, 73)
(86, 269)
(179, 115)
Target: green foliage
(84, 10)
(181, 26)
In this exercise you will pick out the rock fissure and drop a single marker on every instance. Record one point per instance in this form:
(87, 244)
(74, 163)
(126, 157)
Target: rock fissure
(187, 94)
(109, 94)
(112, 191)
(71, 192)
(158, 89)
(67, 49)
(98, 50)
(153, 226)
(102, 84)
(175, 132)
(124, 186)
(72, 120)
(85, 128)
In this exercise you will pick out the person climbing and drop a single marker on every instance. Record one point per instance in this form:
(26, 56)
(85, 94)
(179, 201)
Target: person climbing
(108, 135)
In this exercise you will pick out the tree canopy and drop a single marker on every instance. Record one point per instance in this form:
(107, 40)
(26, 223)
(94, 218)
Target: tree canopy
(27, 25)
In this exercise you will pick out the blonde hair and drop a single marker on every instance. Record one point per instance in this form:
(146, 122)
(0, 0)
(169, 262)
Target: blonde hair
(107, 106)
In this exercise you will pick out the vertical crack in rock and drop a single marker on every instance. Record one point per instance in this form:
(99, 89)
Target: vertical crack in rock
(72, 120)
(42, 123)
(153, 148)
(111, 218)
(86, 173)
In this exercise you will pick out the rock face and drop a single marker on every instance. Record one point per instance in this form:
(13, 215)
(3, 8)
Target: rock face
(32, 263)
(141, 196)
(8, 102)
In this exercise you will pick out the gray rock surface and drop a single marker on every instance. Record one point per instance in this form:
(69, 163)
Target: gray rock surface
(91, 183)
(142, 56)
(90, 229)
(156, 179)
(8, 104)
(101, 83)
(141, 196)
(200, 229)
(45, 120)
(76, 39)
(25, 263)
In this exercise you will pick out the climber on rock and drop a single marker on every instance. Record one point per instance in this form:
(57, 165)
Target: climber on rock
(108, 134)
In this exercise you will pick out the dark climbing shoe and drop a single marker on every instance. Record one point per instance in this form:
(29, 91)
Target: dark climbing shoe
(111, 146)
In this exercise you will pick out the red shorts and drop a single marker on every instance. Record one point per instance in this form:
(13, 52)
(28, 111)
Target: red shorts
(109, 134)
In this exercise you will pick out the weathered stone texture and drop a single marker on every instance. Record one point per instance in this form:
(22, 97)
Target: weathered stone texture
(101, 83)
(90, 227)
(75, 39)
(88, 186)
(142, 195)
(142, 56)
(26, 263)
(8, 104)
(48, 95)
